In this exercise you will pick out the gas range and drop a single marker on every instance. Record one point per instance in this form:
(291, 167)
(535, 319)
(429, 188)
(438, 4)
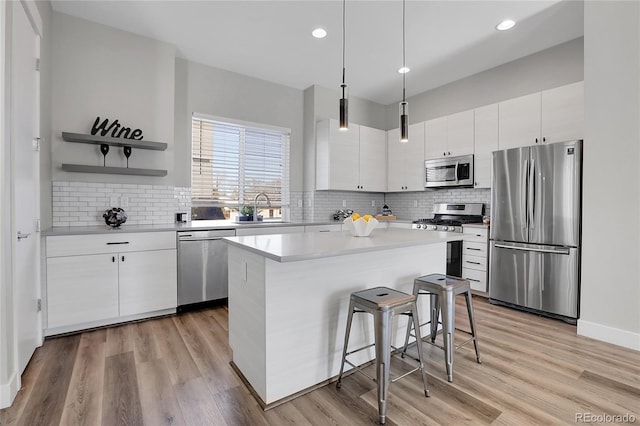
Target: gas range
(451, 217)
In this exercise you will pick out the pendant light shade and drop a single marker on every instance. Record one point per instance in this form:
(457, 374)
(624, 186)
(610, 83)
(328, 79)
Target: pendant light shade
(404, 106)
(344, 100)
(404, 121)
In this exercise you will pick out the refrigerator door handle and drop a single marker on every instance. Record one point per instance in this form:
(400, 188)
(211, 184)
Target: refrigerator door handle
(525, 190)
(564, 251)
(532, 194)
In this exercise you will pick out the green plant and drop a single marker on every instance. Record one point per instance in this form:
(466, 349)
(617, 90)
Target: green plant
(246, 211)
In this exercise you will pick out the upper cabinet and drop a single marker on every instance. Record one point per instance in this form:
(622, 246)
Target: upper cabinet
(563, 113)
(451, 135)
(485, 142)
(352, 160)
(553, 115)
(405, 161)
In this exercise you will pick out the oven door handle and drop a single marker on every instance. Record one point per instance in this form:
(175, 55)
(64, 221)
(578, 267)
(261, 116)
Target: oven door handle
(456, 171)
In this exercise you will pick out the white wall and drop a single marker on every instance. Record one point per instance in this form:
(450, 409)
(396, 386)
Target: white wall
(226, 94)
(610, 298)
(553, 67)
(101, 71)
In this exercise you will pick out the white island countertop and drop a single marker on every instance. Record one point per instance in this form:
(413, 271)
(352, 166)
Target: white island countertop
(315, 245)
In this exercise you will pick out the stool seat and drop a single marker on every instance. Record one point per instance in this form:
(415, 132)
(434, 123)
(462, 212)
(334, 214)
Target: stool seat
(442, 290)
(383, 303)
(383, 297)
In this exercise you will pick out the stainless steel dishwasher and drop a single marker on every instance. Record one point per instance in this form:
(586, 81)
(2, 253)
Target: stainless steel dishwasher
(202, 268)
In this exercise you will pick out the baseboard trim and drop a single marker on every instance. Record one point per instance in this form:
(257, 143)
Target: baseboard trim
(9, 390)
(608, 334)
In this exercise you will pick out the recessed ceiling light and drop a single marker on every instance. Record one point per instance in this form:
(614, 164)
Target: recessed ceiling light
(319, 33)
(404, 70)
(505, 25)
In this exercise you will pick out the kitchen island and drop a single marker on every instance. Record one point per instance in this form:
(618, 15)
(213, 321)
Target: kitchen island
(289, 297)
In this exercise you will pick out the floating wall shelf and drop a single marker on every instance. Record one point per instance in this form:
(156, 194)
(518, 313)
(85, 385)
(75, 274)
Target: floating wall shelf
(79, 168)
(99, 140)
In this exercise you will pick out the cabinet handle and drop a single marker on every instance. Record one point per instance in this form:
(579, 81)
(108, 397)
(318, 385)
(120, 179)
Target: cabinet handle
(444, 153)
(123, 258)
(475, 263)
(471, 248)
(544, 139)
(113, 259)
(471, 279)
(536, 140)
(448, 152)
(118, 242)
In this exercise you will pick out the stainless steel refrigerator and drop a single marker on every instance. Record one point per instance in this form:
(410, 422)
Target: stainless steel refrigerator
(535, 228)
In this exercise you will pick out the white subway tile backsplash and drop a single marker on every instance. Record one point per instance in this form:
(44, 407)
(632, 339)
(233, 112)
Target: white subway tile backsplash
(82, 203)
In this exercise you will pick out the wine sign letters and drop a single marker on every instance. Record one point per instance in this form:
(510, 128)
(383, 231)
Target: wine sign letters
(117, 130)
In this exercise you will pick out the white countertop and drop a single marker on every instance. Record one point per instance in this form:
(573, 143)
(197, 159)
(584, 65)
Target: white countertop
(185, 226)
(303, 246)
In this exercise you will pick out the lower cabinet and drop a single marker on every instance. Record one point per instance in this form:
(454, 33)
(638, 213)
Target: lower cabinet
(475, 256)
(85, 290)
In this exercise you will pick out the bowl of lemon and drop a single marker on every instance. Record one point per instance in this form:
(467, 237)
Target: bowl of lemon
(360, 226)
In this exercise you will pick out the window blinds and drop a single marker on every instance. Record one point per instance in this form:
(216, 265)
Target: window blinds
(232, 163)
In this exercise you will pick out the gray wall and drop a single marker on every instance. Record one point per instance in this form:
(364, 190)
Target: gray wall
(610, 268)
(101, 71)
(221, 93)
(553, 67)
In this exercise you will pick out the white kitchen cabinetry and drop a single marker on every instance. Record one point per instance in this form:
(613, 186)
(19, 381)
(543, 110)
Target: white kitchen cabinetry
(475, 256)
(553, 115)
(103, 279)
(352, 160)
(449, 136)
(405, 161)
(485, 142)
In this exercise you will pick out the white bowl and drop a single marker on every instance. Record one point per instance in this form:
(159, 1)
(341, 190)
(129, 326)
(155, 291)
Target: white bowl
(360, 227)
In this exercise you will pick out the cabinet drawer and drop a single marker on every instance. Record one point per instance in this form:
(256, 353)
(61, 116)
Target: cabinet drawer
(477, 279)
(116, 242)
(474, 262)
(474, 234)
(474, 248)
(323, 228)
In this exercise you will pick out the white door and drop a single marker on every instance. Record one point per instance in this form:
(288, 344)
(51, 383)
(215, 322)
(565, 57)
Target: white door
(25, 196)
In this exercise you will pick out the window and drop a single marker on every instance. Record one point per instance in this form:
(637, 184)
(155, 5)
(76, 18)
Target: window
(232, 163)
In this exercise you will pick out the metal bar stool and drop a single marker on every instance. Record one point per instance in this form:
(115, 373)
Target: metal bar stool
(383, 303)
(442, 291)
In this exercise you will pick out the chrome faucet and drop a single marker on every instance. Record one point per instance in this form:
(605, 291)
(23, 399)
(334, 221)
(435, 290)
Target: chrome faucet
(255, 205)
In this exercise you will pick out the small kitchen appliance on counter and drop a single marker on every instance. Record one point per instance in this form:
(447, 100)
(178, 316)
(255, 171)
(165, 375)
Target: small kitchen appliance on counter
(450, 218)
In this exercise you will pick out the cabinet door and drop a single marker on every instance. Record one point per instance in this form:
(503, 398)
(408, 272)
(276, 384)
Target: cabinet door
(148, 281)
(519, 123)
(435, 138)
(373, 159)
(337, 156)
(485, 142)
(460, 133)
(413, 158)
(81, 289)
(563, 113)
(395, 158)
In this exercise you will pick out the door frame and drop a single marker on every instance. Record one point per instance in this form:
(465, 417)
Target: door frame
(10, 380)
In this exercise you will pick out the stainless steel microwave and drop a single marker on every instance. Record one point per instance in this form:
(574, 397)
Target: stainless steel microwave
(448, 172)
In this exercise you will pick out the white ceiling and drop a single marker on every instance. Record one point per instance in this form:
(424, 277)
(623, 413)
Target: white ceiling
(271, 40)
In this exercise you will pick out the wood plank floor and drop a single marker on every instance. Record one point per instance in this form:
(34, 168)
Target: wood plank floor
(175, 371)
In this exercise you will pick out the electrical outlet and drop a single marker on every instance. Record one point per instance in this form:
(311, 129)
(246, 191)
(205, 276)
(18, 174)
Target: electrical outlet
(113, 201)
(299, 203)
(415, 203)
(373, 203)
(344, 203)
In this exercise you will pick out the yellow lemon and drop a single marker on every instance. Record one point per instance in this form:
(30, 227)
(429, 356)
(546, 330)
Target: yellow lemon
(366, 217)
(355, 216)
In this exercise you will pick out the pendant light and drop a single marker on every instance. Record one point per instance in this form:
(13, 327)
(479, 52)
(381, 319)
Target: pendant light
(404, 106)
(344, 101)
